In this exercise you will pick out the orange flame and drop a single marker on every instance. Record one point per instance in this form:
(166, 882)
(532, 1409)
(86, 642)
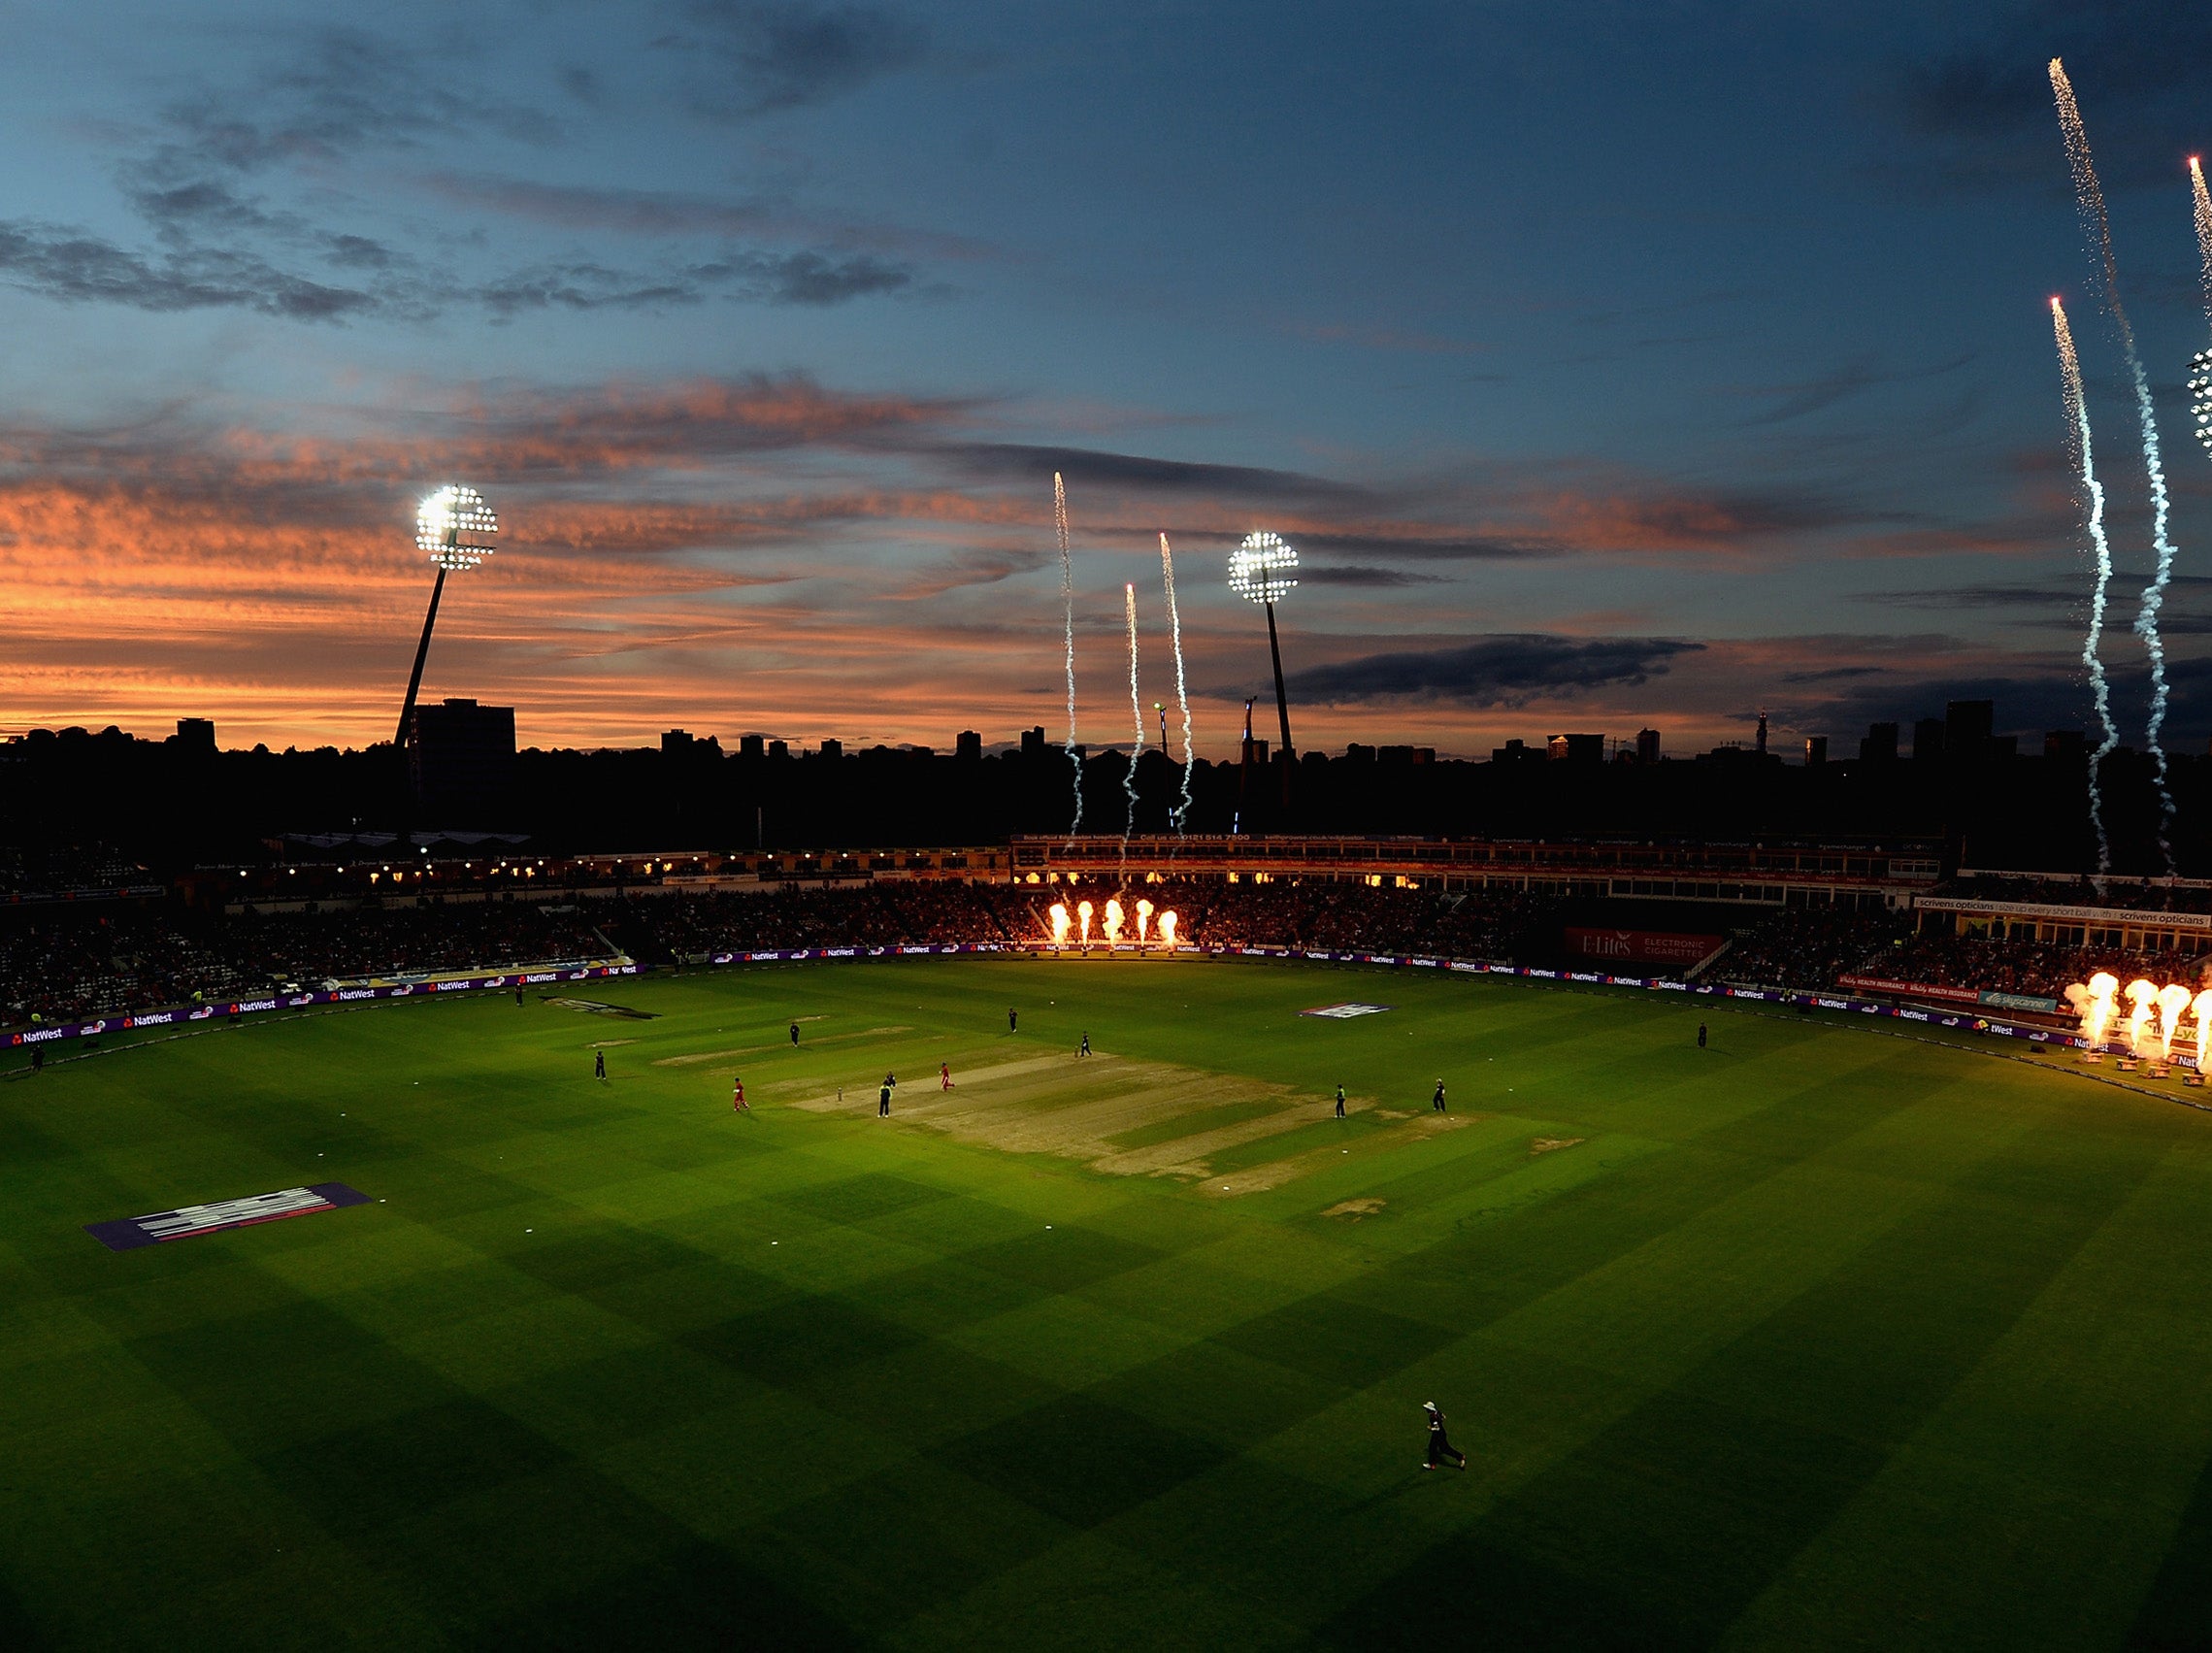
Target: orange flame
(1112, 921)
(1083, 914)
(2142, 995)
(1168, 929)
(1059, 916)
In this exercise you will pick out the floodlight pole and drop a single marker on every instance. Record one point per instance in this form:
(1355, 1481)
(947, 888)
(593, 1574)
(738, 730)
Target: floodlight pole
(1282, 701)
(423, 653)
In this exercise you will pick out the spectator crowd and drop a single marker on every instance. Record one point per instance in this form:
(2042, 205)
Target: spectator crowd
(70, 961)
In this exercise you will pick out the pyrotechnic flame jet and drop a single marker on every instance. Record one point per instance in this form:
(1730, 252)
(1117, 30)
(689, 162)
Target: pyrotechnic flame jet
(2096, 1001)
(2144, 997)
(1083, 916)
(1112, 921)
(2089, 196)
(2092, 648)
(2173, 1000)
(2202, 1009)
(1058, 913)
(1143, 920)
(1168, 929)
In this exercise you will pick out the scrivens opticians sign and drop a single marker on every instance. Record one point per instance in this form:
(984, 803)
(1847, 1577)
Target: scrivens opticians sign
(2109, 917)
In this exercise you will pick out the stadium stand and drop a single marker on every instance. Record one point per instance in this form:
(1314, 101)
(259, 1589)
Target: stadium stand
(70, 959)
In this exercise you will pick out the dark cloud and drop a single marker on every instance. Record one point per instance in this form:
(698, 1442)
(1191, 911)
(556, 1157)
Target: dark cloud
(1506, 670)
(1156, 476)
(2137, 66)
(1461, 547)
(329, 94)
(1377, 579)
(77, 268)
(1815, 395)
(218, 241)
(768, 55)
(594, 208)
(796, 277)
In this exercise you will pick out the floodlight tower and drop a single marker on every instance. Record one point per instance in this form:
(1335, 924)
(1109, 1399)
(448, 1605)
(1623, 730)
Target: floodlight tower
(1261, 571)
(455, 527)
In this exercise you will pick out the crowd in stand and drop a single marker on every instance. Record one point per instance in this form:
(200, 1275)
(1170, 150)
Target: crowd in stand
(71, 963)
(66, 962)
(1811, 946)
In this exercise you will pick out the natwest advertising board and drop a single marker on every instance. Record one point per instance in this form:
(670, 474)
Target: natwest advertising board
(1650, 947)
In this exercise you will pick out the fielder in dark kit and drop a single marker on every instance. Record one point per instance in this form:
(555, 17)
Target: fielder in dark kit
(1440, 1445)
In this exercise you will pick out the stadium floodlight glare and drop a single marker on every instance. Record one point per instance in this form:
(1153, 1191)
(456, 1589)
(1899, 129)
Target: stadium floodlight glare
(454, 526)
(2200, 395)
(1263, 570)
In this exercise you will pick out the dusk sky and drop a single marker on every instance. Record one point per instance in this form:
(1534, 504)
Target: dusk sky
(1608, 364)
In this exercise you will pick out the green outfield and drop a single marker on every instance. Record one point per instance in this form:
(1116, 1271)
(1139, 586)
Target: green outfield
(1816, 1337)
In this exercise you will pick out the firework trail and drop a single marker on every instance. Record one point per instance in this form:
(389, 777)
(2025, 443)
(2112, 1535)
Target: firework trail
(2203, 203)
(1137, 712)
(1067, 607)
(1182, 694)
(2089, 198)
(2084, 459)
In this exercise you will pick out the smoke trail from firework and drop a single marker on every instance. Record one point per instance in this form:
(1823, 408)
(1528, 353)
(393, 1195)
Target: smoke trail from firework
(2085, 459)
(1137, 712)
(1068, 605)
(2204, 205)
(2089, 198)
(1182, 694)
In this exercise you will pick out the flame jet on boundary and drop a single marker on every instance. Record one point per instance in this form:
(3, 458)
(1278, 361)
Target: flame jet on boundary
(2085, 460)
(2088, 197)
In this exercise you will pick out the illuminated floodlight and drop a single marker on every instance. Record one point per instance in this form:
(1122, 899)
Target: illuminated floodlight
(1262, 568)
(2200, 395)
(455, 526)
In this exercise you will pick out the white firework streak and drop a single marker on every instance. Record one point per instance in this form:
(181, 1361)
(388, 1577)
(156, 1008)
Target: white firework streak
(1137, 712)
(2084, 459)
(2202, 203)
(2089, 196)
(1067, 607)
(1182, 694)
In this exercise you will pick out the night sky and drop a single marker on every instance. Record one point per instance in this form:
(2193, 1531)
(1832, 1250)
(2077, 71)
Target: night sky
(1608, 364)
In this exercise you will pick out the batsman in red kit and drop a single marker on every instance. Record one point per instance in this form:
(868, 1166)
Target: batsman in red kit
(738, 1095)
(945, 1075)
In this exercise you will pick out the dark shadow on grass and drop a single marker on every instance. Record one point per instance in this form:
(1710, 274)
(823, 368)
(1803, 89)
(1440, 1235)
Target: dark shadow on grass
(856, 1199)
(1079, 1460)
(1340, 1342)
(698, 1597)
(391, 1471)
(803, 1342)
(2176, 1616)
(1660, 1530)
(1061, 1258)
